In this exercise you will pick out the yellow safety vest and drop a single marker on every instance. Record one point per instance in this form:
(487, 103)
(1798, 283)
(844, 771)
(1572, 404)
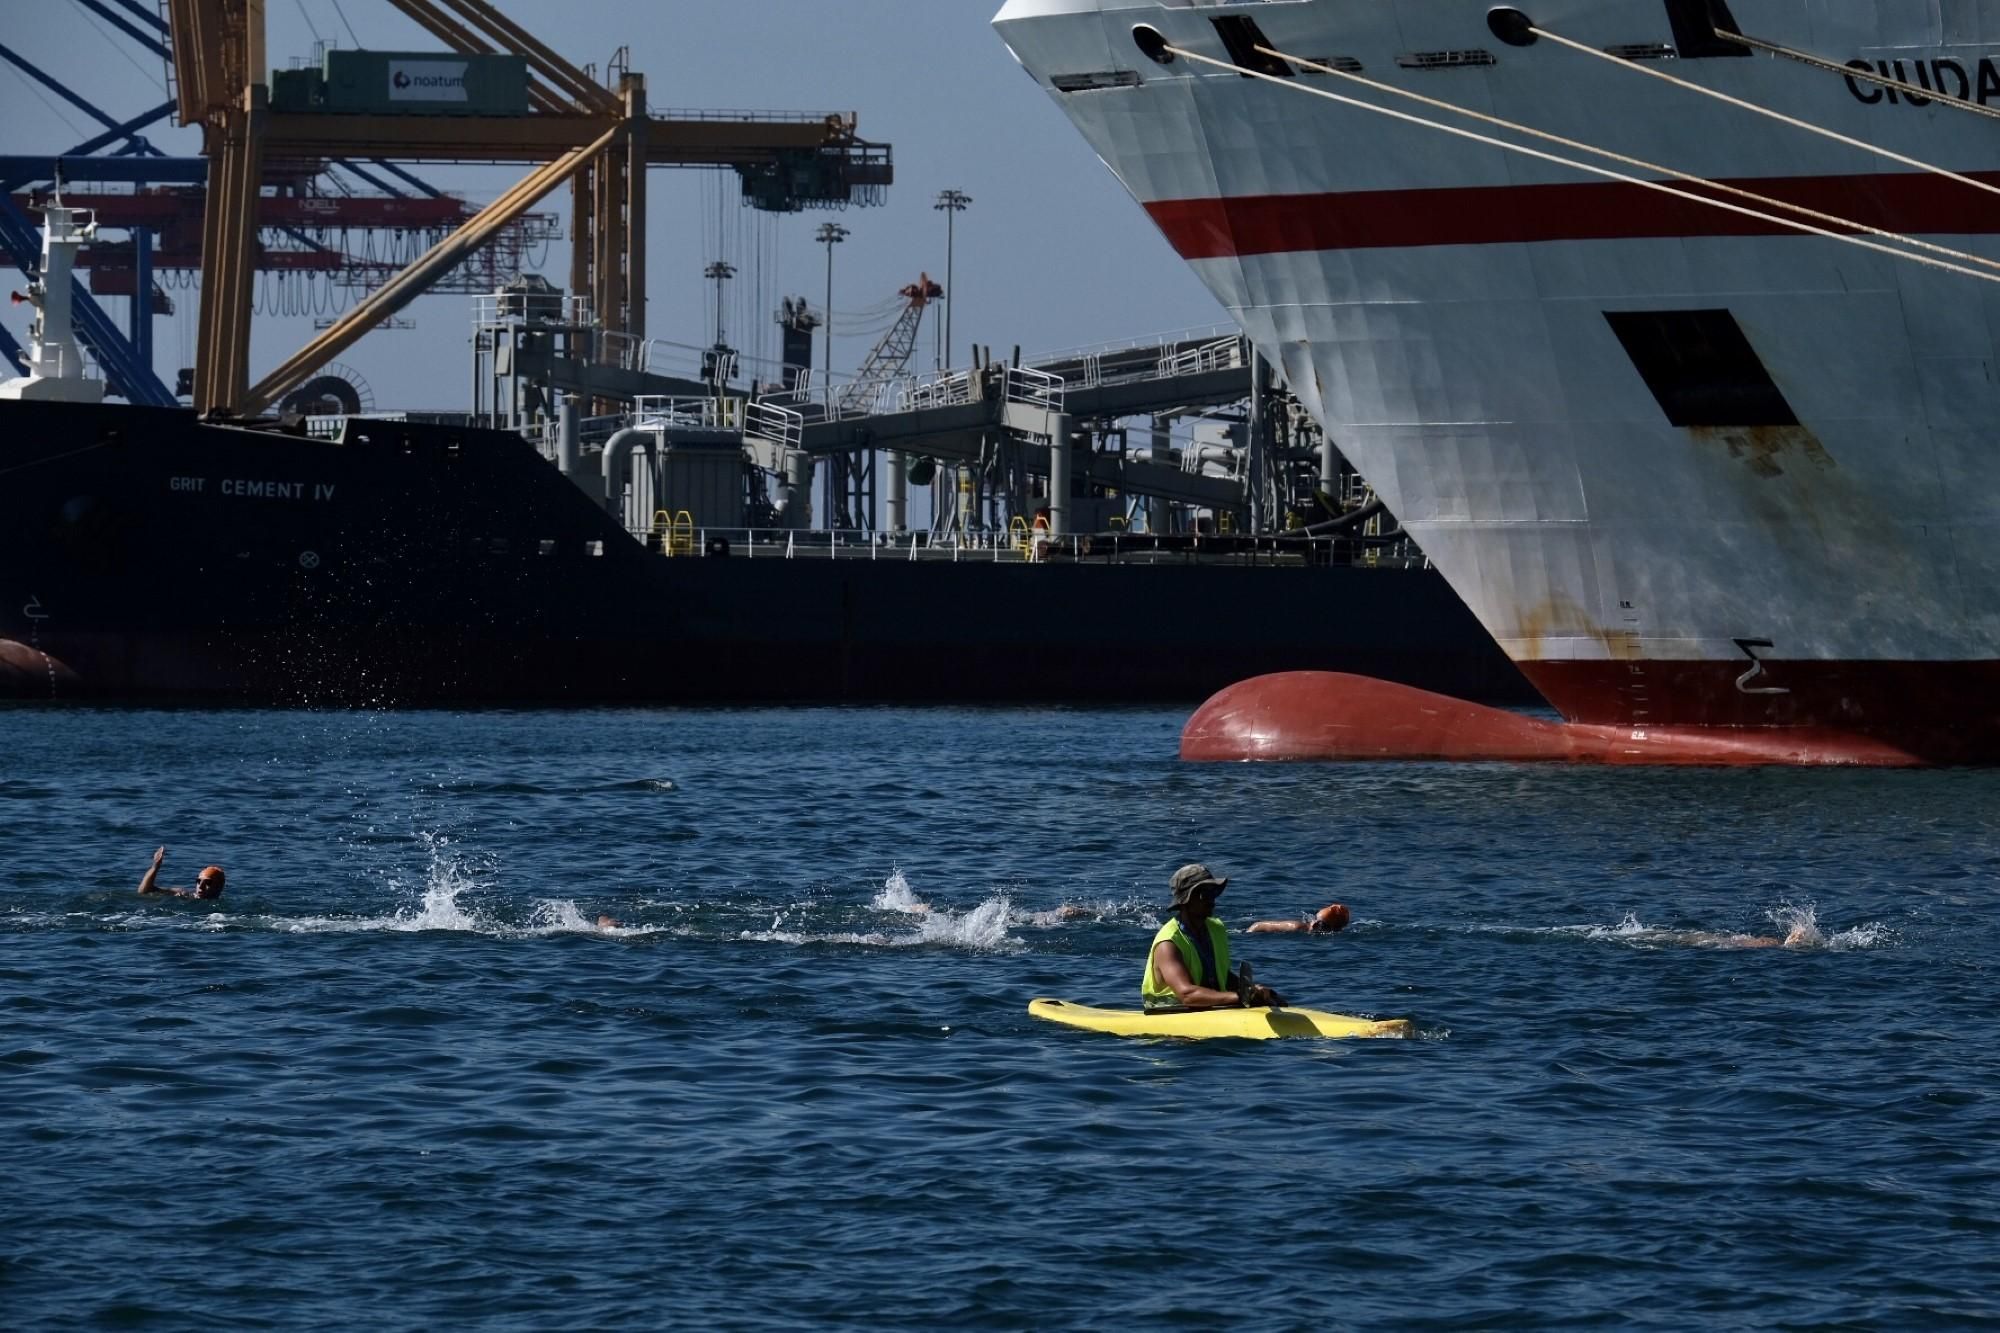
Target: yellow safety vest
(1156, 993)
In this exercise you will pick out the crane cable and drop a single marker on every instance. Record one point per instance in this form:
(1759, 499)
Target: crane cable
(1790, 223)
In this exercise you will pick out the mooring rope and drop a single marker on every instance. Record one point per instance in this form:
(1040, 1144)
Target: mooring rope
(1658, 186)
(1849, 71)
(1799, 209)
(1780, 116)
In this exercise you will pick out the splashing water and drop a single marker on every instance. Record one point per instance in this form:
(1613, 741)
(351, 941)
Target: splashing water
(444, 880)
(897, 896)
(983, 928)
(1800, 923)
(554, 916)
(1796, 926)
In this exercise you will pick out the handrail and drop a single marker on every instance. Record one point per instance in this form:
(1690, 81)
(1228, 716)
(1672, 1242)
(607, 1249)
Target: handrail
(770, 420)
(653, 411)
(677, 535)
(1204, 333)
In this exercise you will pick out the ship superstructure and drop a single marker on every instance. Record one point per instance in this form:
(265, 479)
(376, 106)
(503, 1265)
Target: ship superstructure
(55, 369)
(1694, 459)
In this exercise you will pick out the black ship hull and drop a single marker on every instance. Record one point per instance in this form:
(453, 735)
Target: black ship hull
(146, 555)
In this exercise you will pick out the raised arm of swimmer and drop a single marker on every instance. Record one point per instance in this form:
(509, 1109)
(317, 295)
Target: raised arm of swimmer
(207, 885)
(148, 882)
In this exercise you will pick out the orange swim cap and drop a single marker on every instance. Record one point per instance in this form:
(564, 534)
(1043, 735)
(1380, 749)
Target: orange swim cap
(214, 872)
(1334, 916)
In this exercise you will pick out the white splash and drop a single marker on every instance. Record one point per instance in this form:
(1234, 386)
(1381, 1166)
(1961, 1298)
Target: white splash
(444, 882)
(1798, 924)
(982, 929)
(1795, 926)
(1098, 912)
(897, 896)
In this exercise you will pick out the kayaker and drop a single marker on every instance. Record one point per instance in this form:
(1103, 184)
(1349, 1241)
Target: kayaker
(208, 884)
(1188, 964)
(1328, 920)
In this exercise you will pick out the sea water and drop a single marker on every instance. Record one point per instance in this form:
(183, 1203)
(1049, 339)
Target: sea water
(400, 1077)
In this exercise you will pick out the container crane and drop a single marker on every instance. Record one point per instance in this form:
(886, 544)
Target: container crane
(601, 140)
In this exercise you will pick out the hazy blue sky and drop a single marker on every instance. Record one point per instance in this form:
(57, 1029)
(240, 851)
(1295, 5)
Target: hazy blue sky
(1052, 253)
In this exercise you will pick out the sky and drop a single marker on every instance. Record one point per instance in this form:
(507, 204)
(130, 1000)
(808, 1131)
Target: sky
(1051, 254)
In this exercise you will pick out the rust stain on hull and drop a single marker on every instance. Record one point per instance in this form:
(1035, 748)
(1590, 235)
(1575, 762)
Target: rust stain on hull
(1557, 617)
(1765, 450)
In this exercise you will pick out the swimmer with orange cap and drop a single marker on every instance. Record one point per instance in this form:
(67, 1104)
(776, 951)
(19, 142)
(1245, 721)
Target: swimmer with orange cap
(208, 884)
(1328, 920)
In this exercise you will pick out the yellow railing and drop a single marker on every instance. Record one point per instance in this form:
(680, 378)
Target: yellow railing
(673, 534)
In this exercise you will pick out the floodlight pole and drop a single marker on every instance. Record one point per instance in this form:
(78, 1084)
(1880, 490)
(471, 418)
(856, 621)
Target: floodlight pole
(951, 203)
(830, 234)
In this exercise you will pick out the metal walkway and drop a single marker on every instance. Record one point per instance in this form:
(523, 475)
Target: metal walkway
(951, 415)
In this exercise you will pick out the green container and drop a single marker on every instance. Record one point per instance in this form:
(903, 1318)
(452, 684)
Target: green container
(297, 90)
(425, 83)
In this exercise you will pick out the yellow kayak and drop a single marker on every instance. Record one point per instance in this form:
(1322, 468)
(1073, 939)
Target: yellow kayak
(1195, 1024)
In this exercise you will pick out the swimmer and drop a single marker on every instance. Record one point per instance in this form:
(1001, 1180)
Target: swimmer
(1328, 920)
(607, 922)
(1801, 935)
(208, 884)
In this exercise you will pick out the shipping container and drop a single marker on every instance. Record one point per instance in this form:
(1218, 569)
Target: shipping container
(298, 90)
(425, 83)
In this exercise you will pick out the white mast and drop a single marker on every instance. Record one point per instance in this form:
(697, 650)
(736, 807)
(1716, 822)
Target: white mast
(56, 370)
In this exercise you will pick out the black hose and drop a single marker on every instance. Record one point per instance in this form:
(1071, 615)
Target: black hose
(1353, 518)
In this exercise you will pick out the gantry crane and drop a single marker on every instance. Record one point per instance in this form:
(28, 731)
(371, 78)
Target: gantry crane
(600, 139)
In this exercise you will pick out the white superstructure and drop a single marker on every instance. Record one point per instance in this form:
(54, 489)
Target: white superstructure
(56, 368)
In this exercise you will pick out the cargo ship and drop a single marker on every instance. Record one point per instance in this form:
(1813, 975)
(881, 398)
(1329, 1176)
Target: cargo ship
(1699, 431)
(146, 554)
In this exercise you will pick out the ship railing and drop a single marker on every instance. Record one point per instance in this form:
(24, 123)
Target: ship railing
(624, 350)
(1035, 388)
(330, 426)
(664, 356)
(493, 309)
(866, 397)
(1000, 546)
(937, 388)
(544, 434)
(855, 398)
(666, 412)
(1221, 354)
(771, 419)
(1163, 342)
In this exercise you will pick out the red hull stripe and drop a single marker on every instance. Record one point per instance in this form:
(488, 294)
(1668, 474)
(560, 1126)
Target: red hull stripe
(1911, 203)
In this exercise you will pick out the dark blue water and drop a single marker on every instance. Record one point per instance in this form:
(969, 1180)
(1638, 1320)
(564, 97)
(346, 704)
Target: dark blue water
(398, 1078)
